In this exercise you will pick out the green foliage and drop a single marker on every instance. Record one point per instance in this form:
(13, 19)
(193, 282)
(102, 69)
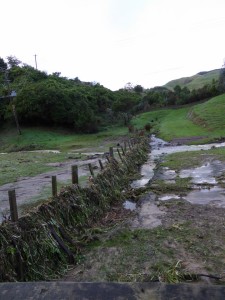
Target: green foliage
(138, 89)
(13, 61)
(83, 106)
(3, 64)
(222, 79)
(54, 100)
(125, 101)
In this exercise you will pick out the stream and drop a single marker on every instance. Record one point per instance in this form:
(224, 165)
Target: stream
(205, 186)
(205, 189)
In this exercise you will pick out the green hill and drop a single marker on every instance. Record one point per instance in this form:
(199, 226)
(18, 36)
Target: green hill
(210, 114)
(196, 81)
(204, 120)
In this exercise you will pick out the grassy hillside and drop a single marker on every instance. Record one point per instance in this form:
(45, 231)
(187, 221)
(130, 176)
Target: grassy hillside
(206, 120)
(196, 81)
(210, 114)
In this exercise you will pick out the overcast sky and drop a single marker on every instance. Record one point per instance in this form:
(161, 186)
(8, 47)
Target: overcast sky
(146, 42)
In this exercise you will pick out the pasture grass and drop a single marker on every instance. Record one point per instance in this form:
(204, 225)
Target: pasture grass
(26, 164)
(210, 114)
(171, 123)
(33, 138)
(203, 120)
(194, 82)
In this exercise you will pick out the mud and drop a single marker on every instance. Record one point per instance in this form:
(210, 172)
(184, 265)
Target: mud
(148, 213)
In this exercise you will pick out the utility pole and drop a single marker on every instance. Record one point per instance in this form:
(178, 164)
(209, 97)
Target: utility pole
(35, 56)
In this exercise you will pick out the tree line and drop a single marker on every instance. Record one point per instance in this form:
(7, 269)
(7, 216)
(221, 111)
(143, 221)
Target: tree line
(54, 100)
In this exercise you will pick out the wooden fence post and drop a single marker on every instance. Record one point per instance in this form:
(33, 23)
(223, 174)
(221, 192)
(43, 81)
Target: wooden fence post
(54, 186)
(107, 157)
(13, 205)
(111, 152)
(120, 156)
(125, 147)
(123, 151)
(74, 169)
(91, 170)
(101, 164)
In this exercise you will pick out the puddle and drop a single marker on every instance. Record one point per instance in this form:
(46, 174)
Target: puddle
(160, 148)
(129, 205)
(42, 151)
(214, 196)
(169, 197)
(166, 174)
(147, 172)
(205, 173)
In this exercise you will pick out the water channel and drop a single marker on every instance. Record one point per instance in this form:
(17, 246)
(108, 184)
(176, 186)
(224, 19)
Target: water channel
(205, 185)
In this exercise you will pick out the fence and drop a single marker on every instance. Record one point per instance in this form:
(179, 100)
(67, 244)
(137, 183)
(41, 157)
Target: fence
(42, 243)
(121, 151)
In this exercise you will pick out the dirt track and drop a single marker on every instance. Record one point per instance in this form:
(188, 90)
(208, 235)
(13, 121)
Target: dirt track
(30, 189)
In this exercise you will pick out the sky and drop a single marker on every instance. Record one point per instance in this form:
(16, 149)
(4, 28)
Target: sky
(113, 42)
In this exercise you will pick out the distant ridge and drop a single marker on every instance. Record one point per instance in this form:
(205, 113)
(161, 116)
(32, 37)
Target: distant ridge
(196, 81)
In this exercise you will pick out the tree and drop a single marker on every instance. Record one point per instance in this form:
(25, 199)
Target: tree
(13, 61)
(138, 89)
(222, 79)
(3, 64)
(128, 86)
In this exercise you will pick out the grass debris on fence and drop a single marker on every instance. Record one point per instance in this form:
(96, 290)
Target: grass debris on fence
(42, 244)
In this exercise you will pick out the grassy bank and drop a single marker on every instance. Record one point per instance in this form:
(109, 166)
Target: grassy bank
(205, 120)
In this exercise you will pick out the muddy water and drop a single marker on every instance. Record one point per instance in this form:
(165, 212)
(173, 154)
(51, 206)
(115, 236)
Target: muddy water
(161, 148)
(205, 185)
(206, 173)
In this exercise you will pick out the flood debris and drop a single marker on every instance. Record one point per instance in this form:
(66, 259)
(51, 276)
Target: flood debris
(42, 243)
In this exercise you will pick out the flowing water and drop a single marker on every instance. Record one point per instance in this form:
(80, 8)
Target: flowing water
(201, 176)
